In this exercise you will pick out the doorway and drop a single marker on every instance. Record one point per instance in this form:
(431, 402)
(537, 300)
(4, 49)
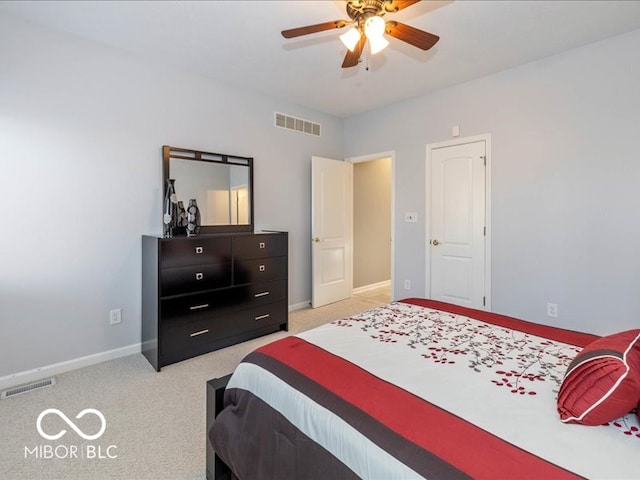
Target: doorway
(372, 227)
(332, 231)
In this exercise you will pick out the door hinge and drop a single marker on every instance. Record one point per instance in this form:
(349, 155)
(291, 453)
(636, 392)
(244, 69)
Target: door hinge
(484, 231)
(484, 301)
(484, 158)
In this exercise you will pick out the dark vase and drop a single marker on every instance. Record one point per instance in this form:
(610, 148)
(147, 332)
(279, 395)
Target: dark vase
(182, 215)
(193, 218)
(170, 210)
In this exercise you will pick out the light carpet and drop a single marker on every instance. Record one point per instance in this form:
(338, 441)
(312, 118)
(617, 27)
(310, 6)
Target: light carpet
(155, 422)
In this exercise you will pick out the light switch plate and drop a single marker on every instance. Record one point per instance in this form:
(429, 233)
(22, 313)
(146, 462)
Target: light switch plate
(411, 217)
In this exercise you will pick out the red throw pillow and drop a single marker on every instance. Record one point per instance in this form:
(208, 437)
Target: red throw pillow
(602, 382)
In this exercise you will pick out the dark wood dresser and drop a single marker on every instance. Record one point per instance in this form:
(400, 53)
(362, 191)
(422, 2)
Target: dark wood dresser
(208, 292)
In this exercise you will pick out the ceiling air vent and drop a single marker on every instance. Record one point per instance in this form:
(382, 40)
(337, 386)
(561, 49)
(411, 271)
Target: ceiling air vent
(297, 124)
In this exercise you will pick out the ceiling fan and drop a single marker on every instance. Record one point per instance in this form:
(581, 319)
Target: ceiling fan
(368, 24)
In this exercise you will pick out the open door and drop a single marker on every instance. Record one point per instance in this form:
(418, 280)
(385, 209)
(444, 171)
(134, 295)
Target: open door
(331, 230)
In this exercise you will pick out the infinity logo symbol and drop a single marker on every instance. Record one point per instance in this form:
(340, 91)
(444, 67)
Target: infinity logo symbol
(71, 424)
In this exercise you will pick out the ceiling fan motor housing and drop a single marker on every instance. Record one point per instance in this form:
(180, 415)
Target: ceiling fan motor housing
(360, 10)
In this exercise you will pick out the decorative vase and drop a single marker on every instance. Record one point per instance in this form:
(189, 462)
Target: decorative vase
(193, 218)
(169, 216)
(182, 215)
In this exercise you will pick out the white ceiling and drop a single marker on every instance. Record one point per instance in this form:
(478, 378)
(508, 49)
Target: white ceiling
(239, 42)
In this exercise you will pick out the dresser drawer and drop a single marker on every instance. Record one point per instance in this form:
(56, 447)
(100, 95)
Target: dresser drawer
(259, 270)
(260, 246)
(257, 317)
(180, 252)
(186, 339)
(187, 308)
(176, 281)
(263, 293)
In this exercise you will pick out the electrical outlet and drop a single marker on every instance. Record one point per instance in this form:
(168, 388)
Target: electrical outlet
(115, 316)
(552, 310)
(407, 284)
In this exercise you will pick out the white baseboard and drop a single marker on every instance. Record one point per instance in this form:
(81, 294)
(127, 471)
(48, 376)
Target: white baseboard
(29, 376)
(373, 286)
(62, 367)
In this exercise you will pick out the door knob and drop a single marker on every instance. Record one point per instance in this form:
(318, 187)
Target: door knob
(317, 240)
(435, 243)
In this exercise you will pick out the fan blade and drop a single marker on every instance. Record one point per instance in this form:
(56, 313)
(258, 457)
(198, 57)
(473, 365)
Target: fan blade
(351, 58)
(413, 36)
(320, 27)
(396, 5)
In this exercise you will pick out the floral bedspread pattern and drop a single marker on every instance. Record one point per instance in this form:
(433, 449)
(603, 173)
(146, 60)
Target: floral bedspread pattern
(515, 360)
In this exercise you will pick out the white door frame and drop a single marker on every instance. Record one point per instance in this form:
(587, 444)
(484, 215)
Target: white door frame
(376, 156)
(487, 245)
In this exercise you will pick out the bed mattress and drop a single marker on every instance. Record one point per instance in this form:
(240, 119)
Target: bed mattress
(416, 389)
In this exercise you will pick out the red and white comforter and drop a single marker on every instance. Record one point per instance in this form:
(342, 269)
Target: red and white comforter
(416, 389)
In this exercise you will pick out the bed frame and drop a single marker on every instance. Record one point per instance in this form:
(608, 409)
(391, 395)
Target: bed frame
(216, 468)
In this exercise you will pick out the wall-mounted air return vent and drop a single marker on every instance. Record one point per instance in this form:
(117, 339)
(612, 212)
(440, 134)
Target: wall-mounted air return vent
(47, 382)
(297, 124)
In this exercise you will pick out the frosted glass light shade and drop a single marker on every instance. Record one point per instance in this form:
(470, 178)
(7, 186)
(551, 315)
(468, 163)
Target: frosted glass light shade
(350, 38)
(374, 27)
(374, 30)
(377, 44)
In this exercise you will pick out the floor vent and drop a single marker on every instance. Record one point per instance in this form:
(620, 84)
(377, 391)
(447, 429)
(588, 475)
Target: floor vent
(30, 387)
(297, 124)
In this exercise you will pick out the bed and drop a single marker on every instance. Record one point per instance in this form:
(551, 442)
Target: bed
(425, 389)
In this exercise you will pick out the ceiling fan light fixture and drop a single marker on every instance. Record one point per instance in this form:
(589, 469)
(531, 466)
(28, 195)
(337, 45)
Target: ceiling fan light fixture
(374, 27)
(374, 30)
(350, 38)
(377, 44)
(366, 18)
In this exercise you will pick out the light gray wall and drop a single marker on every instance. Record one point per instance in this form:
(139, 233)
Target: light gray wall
(81, 128)
(371, 222)
(81, 131)
(565, 181)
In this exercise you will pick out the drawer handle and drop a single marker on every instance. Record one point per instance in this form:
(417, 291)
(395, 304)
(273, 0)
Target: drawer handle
(262, 317)
(199, 249)
(199, 276)
(198, 307)
(201, 332)
(261, 294)
(261, 244)
(261, 268)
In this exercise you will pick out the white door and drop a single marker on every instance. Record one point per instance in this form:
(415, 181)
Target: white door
(331, 230)
(457, 236)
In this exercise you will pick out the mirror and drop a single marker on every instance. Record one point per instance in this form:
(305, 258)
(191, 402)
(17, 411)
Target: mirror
(221, 184)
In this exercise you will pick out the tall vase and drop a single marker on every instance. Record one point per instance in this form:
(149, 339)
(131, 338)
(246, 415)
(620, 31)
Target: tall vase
(182, 215)
(193, 218)
(169, 216)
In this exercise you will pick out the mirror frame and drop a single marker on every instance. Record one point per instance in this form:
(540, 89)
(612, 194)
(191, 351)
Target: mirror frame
(169, 153)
